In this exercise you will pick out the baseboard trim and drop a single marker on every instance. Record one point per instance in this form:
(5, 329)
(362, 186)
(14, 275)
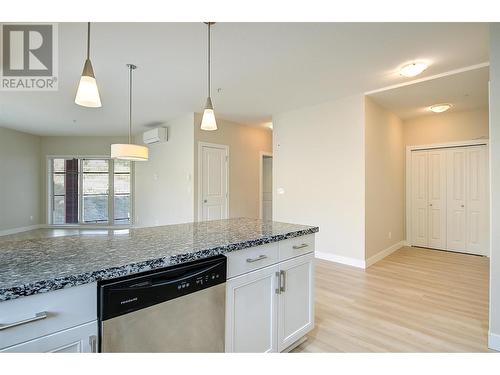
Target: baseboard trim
(20, 229)
(382, 254)
(494, 341)
(359, 263)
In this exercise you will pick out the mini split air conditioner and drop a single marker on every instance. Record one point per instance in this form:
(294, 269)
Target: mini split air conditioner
(157, 135)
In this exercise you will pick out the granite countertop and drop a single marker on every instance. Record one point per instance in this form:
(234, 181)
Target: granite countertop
(38, 263)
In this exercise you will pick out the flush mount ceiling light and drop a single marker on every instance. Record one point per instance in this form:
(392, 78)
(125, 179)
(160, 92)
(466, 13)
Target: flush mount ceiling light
(439, 108)
(208, 120)
(413, 69)
(129, 151)
(87, 94)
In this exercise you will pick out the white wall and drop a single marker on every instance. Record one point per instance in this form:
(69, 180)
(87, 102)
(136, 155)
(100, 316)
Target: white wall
(494, 338)
(385, 191)
(70, 146)
(19, 180)
(164, 184)
(446, 127)
(318, 155)
(245, 144)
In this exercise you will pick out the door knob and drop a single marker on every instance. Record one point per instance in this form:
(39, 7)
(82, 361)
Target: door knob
(430, 204)
(462, 205)
(205, 201)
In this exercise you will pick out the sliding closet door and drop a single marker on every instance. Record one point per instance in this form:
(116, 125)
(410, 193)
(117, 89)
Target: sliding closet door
(476, 205)
(437, 199)
(456, 220)
(419, 185)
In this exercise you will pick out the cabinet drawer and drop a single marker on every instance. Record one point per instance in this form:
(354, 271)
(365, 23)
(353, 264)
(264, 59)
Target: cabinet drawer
(294, 247)
(243, 261)
(46, 313)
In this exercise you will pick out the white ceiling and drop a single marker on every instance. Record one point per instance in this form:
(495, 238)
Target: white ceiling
(466, 91)
(262, 68)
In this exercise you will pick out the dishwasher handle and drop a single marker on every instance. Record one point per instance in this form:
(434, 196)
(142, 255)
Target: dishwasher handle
(159, 283)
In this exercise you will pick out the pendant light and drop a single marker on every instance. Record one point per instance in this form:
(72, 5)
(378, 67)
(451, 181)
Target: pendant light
(87, 94)
(129, 151)
(208, 120)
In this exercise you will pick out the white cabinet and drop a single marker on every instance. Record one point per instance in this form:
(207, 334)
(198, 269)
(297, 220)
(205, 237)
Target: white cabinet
(296, 300)
(269, 309)
(449, 199)
(80, 339)
(251, 306)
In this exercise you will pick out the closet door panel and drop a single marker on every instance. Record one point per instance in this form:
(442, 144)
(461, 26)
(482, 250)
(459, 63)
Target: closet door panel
(476, 235)
(419, 188)
(437, 199)
(456, 196)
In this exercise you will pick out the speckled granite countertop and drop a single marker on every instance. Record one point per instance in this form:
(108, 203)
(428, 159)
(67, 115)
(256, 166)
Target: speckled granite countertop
(41, 264)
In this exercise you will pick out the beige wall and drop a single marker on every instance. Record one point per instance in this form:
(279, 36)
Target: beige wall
(384, 183)
(70, 146)
(20, 178)
(245, 144)
(319, 163)
(164, 184)
(446, 127)
(494, 338)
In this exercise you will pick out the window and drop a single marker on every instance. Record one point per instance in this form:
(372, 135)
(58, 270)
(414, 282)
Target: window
(89, 191)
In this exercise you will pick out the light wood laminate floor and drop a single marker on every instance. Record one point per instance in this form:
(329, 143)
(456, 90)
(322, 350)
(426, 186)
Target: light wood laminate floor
(415, 300)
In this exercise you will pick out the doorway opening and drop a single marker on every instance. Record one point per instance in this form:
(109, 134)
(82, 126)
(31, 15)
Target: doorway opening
(266, 186)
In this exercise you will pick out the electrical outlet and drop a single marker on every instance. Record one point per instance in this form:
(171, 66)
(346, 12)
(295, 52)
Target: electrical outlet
(31, 218)
(389, 235)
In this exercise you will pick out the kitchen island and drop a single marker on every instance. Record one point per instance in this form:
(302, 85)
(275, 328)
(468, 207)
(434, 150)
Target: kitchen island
(64, 267)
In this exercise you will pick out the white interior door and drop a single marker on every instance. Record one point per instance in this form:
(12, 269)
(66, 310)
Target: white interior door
(419, 187)
(214, 171)
(456, 197)
(476, 204)
(437, 199)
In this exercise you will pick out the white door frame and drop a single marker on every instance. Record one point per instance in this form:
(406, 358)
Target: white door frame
(261, 177)
(200, 175)
(408, 192)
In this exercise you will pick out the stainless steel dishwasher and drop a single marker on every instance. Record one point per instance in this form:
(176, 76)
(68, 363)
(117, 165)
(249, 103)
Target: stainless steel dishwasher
(174, 309)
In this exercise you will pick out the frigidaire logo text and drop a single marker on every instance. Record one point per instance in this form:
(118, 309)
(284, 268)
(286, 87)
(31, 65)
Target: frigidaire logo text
(128, 301)
(28, 57)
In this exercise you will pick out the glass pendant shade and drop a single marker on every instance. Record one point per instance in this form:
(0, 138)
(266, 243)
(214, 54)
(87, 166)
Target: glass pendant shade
(87, 94)
(208, 120)
(127, 151)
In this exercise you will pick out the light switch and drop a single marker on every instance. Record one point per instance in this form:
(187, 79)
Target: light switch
(280, 191)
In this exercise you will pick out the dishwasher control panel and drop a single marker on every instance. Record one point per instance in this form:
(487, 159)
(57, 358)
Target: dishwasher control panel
(128, 294)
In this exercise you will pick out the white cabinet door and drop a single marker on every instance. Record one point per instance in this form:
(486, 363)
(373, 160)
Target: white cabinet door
(251, 312)
(436, 199)
(456, 196)
(80, 339)
(419, 215)
(296, 300)
(476, 205)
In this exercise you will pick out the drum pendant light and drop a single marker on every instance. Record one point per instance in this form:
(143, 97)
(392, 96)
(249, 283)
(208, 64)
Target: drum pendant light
(87, 94)
(208, 120)
(129, 151)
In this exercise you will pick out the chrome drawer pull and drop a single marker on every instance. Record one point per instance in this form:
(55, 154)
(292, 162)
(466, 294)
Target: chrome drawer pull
(296, 247)
(282, 281)
(260, 257)
(278, 276)
(38, 316)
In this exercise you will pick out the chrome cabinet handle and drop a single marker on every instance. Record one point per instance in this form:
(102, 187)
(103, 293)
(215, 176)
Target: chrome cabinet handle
(38, 316)
(260, 257)
(296, 247)
(93, 343)
(278, 289)
(282, 281)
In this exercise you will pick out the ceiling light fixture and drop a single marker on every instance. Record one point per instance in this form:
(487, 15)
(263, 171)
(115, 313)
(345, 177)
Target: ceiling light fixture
(413, 69)
(87, 94)
(129, 151)
(208, 120)
(439, 108)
